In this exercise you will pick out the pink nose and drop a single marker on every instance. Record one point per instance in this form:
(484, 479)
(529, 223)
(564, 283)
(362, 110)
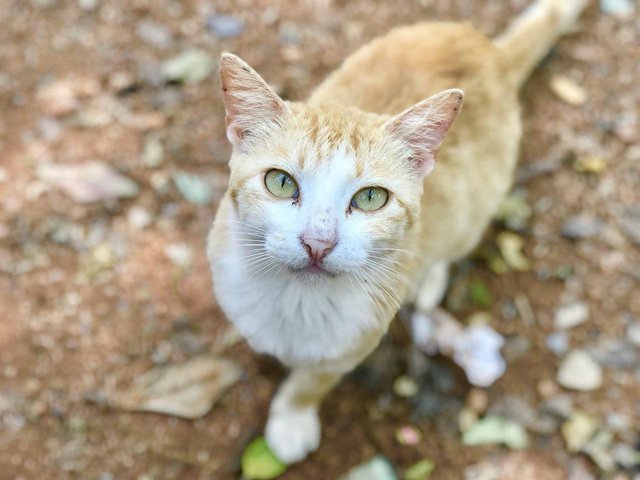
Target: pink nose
(317, 249)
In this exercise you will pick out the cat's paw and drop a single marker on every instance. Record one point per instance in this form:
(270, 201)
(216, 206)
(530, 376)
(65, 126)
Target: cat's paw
(293, 433)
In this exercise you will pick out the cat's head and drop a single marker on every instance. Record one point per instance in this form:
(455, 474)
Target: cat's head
(325, 191)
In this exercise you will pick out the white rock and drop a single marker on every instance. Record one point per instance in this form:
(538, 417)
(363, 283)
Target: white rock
(180, 254)
(572, 315)
(138, 218)
(633, 333)
(578, 371)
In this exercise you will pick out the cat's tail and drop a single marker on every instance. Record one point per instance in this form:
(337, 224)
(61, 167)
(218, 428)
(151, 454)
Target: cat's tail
(534, 32)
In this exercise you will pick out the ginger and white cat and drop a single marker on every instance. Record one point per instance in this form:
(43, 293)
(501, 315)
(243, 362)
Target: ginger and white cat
(329, 223)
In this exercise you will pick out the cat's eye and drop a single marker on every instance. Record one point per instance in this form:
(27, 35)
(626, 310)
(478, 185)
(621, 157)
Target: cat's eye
(281, 184)
(370, 199)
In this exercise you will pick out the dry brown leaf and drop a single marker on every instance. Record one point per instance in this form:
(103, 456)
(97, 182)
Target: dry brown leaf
(188, 390)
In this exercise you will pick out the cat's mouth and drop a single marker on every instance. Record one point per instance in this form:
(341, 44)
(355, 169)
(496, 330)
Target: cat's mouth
(313, 269)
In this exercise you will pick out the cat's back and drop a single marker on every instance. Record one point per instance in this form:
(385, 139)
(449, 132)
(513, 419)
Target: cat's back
(412, 62)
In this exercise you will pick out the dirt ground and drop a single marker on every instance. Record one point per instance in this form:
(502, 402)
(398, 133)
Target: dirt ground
(90, 299)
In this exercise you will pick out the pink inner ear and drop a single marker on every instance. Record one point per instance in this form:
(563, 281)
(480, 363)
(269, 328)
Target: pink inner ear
(424, 126)
(249, 101)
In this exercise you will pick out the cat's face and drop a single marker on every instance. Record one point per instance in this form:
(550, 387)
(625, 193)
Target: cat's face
(322, 196)
(320, 192)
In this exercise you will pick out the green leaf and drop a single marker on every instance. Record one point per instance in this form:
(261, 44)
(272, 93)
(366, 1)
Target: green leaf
(493, 430)
(479, 294)
(421, 470)
(259, 462)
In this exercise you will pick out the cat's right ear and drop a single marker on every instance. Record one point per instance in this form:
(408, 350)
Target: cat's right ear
(423, 127)
(253, 108)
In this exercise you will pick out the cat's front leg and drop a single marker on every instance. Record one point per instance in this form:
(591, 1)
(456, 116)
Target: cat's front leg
(293, 427)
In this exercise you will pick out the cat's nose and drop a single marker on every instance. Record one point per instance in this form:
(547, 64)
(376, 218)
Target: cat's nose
(317, 249)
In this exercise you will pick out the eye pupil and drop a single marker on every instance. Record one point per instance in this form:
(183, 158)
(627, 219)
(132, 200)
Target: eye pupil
(370, 193)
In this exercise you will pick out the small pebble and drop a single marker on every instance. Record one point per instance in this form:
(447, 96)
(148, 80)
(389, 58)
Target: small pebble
(153, 152)
(558, 343)
(405, 386)
(190, 66)
(625, 455)
(578, 371)
(633, 333)
(180, 254)
(578, 430)
(477, 400)
(467, 418)
(377, 468)
(193, 188)
(581, 227)
(225, 26)
(154, 34)
(547, 388)
(571, 315)
(619, 8)
(49, 128)
(88, 5)
(568, 90)
(138, 218)
(408, 435)
(630, 223)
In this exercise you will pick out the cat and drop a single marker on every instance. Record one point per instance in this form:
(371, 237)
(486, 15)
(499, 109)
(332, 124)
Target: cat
(335, 215)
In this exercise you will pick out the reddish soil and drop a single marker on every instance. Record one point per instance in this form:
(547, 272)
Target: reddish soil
(72, 327)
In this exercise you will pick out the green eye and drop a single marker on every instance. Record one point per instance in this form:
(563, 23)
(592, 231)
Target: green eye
(281, 184)
(370, 199)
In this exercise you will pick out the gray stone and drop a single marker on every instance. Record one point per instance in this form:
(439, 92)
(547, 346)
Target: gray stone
(625, 455)
(558, 342)
(516, 347)
(154, 34)
(560, 405)
(633, 333)
(49, 128)
(582, 226)
(630, 223)
(617, 354)
(225, 26)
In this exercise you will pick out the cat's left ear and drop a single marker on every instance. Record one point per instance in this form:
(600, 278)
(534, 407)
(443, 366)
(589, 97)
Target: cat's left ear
(253, 108)
(423, 127)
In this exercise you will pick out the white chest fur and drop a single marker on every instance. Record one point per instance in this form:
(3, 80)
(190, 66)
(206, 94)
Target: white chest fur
(295, 321)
